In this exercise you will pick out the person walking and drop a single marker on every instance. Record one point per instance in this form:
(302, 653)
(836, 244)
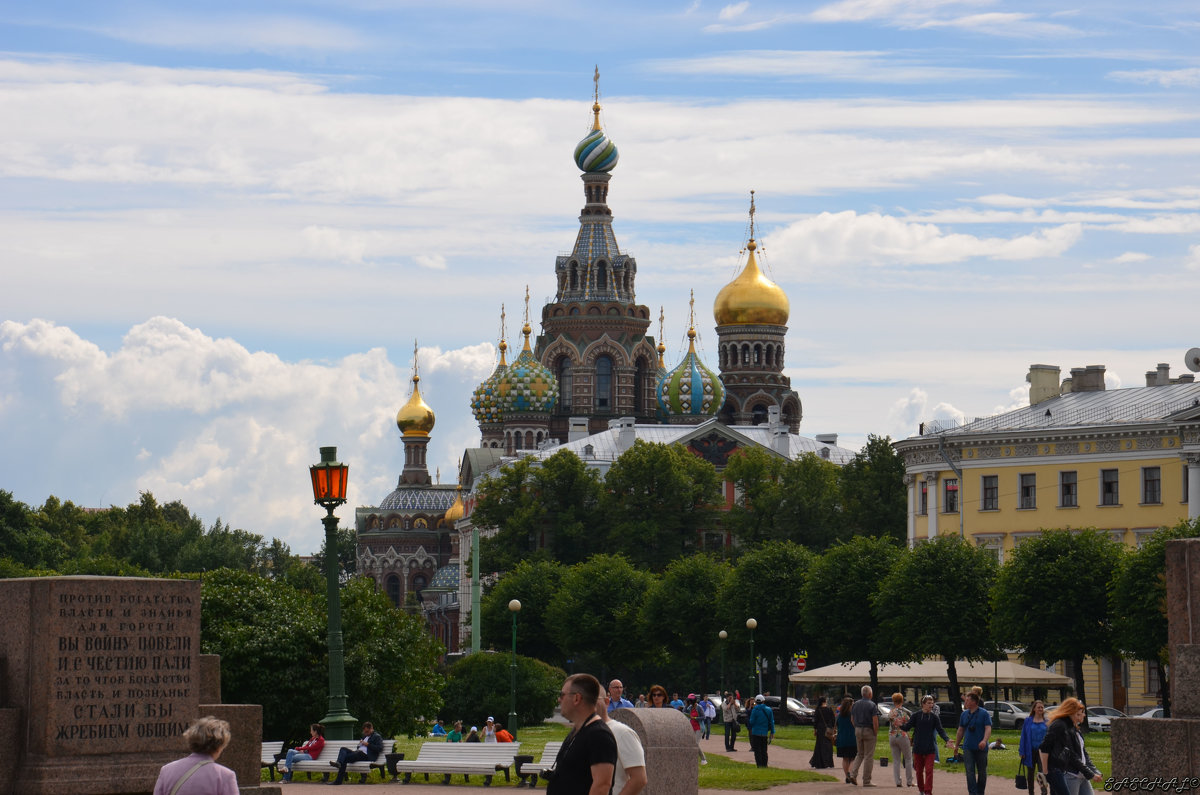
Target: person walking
(629, 774)
(898, 741)
(729, 713)
(865, 714)
(825, 728)
(847, 746)
(1033, 731)
(588, 757)
(761, 725)
(974, 734)
(924, 725)
(199, 773)
(696, 715)
(710, 714)
(1064, 756)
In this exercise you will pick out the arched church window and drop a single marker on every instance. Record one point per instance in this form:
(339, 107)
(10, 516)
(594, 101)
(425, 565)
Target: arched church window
(603, 384)
(529, 440)
(392, 586)
(601, 277)
(574, 266)
(745, 354)
(758, 415)
(758, 354)
(419, 582)
(566, 381)
(639, 387)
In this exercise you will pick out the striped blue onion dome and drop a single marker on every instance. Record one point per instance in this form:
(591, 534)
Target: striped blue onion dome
(691, 388)
(596, 153)
(527, 386)
(484, 405)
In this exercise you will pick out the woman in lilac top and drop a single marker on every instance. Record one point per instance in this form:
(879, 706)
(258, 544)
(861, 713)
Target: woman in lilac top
(199, 774)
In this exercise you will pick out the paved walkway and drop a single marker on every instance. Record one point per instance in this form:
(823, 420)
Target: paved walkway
(943, 782)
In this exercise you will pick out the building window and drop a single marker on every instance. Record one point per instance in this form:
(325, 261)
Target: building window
(1153, 686)
(990, 490)
(1068, 489)
(1028, 493)
(392, 586)
(566, 383)
(1109, 487)
(1186, 497)
(950, 495)
(923, 499)
(603, 384)
(1151, 485)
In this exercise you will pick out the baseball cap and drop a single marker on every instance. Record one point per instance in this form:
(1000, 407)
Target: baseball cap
(474, 728)
(759, 699)
(491, 719)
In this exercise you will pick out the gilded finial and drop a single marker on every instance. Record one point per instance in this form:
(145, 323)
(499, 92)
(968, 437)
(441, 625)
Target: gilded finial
(752, 244)
(692, 321)
(596, 99)
(416, 370)
(438, 476)
(526, 329)
(662, 346)
(503, 334)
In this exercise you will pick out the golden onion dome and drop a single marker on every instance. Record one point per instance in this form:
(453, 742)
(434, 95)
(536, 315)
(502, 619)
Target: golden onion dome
(415, 418)
(455, 511)
(751, 298)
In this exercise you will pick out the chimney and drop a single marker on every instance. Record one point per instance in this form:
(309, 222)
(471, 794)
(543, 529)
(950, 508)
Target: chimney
(625, 433)
(1151, 378)
(781, 437)
(1088, 379)
(1186, 378)
(1043, 383)
(827, 438)
(1164, 374)
(577, 428)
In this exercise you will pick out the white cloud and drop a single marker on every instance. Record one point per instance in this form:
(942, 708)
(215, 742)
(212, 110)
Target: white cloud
(237, 33)
(733, 11)
(917, 14)
(1192, 261)
(848, 238)
(1167, 78)
(1130, 256)
(435, 262)
(848, 65)
(909, 412)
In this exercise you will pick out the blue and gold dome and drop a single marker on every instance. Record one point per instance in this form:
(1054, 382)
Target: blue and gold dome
(691, 389)
(527, 386)
(483, 400)
(596, 153)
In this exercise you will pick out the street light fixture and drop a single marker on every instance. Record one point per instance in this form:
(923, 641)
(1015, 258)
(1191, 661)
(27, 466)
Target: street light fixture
(329, 491)
(515, 607)
(750, 625)
(722, 635)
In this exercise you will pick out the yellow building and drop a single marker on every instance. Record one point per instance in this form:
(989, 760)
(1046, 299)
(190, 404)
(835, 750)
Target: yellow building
(1126, 461)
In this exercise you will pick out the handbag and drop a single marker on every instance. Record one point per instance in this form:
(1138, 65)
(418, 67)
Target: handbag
(1022, 782)
(830, 733)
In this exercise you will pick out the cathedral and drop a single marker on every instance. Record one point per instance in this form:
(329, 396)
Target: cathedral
(592, 380)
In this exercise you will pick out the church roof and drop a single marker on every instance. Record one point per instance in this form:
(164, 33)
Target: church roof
(444, 579)
(434, 499)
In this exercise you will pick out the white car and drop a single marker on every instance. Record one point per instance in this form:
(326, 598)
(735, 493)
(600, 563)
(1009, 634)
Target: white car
(1012, 714)
(1099, 719)
(1156, 712)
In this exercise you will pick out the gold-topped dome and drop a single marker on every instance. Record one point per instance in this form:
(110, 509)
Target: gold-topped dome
(455, 511)
(415, 418)
(751, 298)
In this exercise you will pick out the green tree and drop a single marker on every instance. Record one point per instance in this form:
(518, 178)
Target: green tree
(346, 542)
(391, 662)
(935, 601)
(478, 686)
(596, 613)
(659, 501)
(756, 475)
(873, 493)
(798, 501)
(682, 608)
(21, 541)
(840, 582)
(1051, 598)
(545, 511)
(1137, 600)
(765, 585)
(535, 584)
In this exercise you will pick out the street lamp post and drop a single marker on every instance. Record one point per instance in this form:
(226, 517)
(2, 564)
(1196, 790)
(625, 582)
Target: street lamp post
(750, 625)
(329, 491)
(515, 607)
(722, 635)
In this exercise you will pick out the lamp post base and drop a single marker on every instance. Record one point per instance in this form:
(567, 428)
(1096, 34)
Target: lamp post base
(340, 725)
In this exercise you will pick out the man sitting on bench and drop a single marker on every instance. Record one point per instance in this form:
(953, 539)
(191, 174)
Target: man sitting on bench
(369, 748)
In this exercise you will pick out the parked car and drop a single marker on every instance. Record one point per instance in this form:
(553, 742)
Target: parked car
(949, 711)
(1099, 719)
(1012, 714)
(797, 712)
(1156, 712)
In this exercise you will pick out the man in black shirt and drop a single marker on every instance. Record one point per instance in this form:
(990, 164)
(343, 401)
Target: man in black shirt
(588, 756)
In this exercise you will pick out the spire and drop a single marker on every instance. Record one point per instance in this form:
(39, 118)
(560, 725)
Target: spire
(752, 245)
(662, 346)
(692, 322)
(751, 298)
(415, 418)
(596, 100)
(526, 329)
(503, 334)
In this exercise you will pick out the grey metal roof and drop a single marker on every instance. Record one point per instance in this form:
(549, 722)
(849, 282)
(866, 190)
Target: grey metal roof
(605, 448)
(1081, 409)
(419, 498)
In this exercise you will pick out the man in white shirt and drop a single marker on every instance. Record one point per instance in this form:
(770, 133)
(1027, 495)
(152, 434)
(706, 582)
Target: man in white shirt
(629, 777)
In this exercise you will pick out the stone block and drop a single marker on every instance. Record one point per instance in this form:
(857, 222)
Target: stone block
(1148, 747)
(102, 670)
(210, 679)
(1185, 667)
(1183, 589)
(244, 753)
(672, 756)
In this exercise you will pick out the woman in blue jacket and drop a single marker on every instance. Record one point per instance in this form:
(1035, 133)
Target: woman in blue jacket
(1033, 731)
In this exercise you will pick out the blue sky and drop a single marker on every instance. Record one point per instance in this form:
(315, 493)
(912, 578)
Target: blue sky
(221, 230)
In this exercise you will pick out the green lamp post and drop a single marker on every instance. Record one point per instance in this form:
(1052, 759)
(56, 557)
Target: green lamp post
(329, 491)
(722, 635)
(750, 625)
(515, 607)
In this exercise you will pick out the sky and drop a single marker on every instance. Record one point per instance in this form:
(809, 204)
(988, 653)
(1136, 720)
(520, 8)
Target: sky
(224, 227)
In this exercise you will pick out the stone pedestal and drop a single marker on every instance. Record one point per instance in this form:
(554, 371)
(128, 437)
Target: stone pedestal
(1170, 746)
(672, 756)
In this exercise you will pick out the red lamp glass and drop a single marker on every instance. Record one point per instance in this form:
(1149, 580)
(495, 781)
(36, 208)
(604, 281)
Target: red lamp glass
(329, 479)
